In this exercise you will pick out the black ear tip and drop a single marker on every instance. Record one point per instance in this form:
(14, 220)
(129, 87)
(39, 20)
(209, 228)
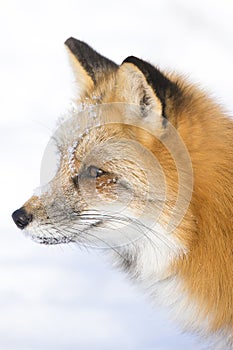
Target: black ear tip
(75, 44)
(131, 59)
(68, 41)
(71, 42)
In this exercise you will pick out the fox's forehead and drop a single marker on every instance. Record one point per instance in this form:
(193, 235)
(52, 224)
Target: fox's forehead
(85, 138)
(82, 143)
(89, 119)
(101, 135)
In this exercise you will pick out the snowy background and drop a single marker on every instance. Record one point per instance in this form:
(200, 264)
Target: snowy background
(61, 297)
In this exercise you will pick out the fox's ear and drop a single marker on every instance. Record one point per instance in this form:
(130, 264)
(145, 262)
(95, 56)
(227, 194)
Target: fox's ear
(142, 84)
(88, 65)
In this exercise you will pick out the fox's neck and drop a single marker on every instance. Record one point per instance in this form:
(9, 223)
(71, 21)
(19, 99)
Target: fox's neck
(207, 271)
(195, 279)
(178, 288)
(149, 259)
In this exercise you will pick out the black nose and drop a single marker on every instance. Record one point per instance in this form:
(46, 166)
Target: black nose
(21, 218)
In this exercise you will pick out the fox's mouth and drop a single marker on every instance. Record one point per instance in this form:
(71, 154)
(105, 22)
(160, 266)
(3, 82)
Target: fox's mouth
(43, 237)
(52, 240)
(62, 238)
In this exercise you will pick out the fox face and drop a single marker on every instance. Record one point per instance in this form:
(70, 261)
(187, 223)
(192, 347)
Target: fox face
(110, 186)
(143, 158)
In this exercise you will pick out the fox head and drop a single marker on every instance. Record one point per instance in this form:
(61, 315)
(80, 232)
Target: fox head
(124, 176)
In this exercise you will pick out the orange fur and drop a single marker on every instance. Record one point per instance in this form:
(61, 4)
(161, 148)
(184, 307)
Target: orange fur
(207, 229)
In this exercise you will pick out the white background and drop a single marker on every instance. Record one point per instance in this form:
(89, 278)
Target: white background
(61, 297)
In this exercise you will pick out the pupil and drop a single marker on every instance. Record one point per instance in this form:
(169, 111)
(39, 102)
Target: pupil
(95, 172)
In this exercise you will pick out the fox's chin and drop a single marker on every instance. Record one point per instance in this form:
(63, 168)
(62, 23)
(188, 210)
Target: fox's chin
(47, 236)
(50, 235)
(48, 240)
(51, 240)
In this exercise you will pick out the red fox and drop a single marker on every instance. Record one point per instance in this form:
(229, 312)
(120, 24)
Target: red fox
(146, 170)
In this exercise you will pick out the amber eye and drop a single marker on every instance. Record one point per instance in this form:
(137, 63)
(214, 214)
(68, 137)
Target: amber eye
(95, 172)
(91, 172)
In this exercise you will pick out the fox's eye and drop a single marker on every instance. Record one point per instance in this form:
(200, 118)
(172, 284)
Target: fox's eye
(91, 172)
(94, 172)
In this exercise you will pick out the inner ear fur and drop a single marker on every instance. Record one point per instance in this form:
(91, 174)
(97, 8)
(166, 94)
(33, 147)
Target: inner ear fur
(133, 88)
(143, 107)
(164, 89)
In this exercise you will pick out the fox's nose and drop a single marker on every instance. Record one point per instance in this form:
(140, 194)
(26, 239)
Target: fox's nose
(21, 218)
